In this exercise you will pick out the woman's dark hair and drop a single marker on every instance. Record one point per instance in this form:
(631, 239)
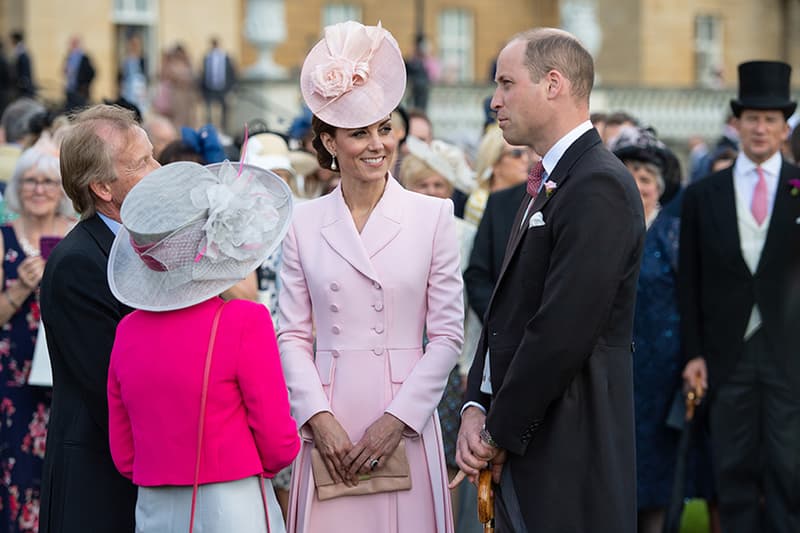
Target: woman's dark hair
(179, 151)
(319, 127)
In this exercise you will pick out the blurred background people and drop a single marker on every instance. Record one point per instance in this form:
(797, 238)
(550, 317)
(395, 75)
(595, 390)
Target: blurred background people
(22, 68)
(657, 359)
(176, 92)
(217, 80)
(133, 74)
(42, 212)
(78, 74)
(498, 165)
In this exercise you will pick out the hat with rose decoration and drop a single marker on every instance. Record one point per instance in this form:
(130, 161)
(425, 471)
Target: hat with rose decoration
(355, 76)
(190, 232)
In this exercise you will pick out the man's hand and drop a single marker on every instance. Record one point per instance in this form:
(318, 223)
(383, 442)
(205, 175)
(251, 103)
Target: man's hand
(695, 374)
(472, 454)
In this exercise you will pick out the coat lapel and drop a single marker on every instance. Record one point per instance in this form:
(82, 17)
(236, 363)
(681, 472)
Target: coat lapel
(722, 205)
(100, 232)
(339, 230)
(385, 222)
(781, 221)
(559, 176)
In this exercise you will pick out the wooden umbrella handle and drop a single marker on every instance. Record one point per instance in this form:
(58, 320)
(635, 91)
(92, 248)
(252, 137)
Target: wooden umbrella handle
(486, 501)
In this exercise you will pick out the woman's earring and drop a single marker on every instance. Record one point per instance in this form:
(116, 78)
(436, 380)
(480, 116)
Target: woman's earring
(333, 163)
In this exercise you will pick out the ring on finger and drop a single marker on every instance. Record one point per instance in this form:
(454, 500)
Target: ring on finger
(373, 464)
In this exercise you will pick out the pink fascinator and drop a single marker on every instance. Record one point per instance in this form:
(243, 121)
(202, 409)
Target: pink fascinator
(354, 76)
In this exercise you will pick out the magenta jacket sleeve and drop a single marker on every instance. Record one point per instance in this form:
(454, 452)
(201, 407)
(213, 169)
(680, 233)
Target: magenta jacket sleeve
(265, 396)
(120, 434)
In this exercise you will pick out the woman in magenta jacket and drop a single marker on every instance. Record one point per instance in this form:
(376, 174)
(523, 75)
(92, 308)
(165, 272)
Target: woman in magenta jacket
(190, 232)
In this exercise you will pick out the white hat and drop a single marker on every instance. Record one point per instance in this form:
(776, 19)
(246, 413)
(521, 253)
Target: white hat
(190, 232)
(447, 160)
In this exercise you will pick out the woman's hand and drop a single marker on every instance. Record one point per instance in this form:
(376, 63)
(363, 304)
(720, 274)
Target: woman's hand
(30, 272)
(333, 444)
(378, 443)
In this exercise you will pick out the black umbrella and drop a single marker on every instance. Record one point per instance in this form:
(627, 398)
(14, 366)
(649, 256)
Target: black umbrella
(692, 398)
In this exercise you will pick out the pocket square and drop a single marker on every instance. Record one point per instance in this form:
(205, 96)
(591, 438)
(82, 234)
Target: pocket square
(536, 220)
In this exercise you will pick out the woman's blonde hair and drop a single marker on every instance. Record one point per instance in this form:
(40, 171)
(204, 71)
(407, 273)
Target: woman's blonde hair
(414, 169)
(490, 150)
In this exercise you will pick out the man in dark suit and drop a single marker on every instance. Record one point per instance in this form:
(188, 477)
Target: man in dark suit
(550, 393)
(79, 73)
(219, 77)
(740, 236)
(490, 244)
(23, 70)
(81, 489)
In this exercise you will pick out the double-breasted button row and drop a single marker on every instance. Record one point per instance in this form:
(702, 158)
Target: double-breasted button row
(378, 350)
(335, 286)
(378, 328)
(378, 306)
(336, 330)
(335, 353)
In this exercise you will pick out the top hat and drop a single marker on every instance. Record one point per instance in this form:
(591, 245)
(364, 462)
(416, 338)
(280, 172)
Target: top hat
(764, 85)
(355, 76)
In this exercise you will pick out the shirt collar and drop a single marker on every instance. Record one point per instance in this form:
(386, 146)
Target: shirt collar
(745, 167)
(112, 224)
(553, 155)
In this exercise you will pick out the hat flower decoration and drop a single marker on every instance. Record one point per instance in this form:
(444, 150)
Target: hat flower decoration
(351, 46)
(240, 214)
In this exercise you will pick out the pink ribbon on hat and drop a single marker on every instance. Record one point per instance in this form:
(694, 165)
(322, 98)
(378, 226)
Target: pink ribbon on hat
(351, 46)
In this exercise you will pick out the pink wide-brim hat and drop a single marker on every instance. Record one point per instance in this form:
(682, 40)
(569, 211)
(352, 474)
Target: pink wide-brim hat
(355, 76)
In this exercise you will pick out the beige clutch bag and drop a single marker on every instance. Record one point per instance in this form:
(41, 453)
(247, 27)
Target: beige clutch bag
(394, 475)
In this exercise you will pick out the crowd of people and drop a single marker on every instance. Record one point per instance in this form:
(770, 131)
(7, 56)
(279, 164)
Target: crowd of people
(329, 329)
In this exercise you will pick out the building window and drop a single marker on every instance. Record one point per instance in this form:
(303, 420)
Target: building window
(708, 51)
(336, 13)
(135, 12)
(455, 45)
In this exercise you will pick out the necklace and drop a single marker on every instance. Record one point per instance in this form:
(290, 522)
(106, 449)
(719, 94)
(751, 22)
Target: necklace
(29, 249)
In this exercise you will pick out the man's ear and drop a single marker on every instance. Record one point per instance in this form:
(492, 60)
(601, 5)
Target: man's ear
(101, 189)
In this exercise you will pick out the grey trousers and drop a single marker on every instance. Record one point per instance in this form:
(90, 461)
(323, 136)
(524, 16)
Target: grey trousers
(755, 436)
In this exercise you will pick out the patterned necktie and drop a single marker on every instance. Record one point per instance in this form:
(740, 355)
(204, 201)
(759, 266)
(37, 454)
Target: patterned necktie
(760, 203)
(535, 179)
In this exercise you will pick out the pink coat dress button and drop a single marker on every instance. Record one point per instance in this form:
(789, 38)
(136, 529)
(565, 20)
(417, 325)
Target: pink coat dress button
(336, 330)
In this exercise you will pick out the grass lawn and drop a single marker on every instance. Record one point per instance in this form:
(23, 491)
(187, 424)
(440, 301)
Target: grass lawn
(695, 517)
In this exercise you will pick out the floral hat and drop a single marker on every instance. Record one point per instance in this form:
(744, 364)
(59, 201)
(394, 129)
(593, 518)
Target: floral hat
(354, 76)
(190, 232)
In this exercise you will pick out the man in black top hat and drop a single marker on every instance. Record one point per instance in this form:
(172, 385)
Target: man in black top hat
(739, 253)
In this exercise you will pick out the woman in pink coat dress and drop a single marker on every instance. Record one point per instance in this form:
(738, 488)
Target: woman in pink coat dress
(368, 270)
(188, 233)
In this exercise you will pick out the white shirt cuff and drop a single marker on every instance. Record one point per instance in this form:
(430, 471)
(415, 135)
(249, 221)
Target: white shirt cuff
(472, 404)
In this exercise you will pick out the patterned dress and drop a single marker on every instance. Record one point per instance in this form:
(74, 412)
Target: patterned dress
(24, 409)
(657, 367)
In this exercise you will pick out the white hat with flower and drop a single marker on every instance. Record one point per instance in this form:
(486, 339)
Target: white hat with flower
(190, 232)
(355, 76)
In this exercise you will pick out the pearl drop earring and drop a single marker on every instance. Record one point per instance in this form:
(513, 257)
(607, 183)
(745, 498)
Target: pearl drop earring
(333, 163)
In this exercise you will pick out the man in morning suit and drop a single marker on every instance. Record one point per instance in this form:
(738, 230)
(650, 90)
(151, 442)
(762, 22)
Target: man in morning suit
(102, 157)
(740, 238)
(550, 393)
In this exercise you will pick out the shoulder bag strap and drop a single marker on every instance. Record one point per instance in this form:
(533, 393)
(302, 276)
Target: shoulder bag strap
(203, 398)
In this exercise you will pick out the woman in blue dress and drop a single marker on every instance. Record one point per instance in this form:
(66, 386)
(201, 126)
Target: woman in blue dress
(657, 361)
(35, 194)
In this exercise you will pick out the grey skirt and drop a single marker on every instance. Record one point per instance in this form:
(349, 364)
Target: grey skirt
(221, 508)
